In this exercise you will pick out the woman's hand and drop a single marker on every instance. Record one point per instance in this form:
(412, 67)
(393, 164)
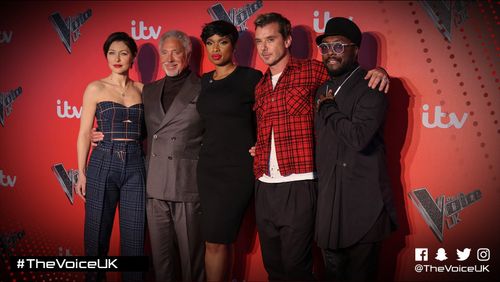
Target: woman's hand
(252, 151)
(80, 187)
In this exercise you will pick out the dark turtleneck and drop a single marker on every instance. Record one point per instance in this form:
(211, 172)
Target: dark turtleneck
(172, 87)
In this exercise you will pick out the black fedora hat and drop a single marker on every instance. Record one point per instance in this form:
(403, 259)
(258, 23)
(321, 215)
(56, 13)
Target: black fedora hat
(341, 26)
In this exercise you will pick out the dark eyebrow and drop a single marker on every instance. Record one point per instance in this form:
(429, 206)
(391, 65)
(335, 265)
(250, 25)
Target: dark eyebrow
(123, 50)
(268, 37)
(225, 37)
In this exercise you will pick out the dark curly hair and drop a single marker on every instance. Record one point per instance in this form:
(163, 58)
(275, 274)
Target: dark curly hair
(221, 28)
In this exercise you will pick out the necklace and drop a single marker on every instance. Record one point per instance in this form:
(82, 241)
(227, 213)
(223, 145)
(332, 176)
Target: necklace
(122, 92)
(338, 89)
(116, 87)
(127, 84)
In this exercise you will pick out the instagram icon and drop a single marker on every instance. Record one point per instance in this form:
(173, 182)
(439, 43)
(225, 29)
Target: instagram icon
(483, 254)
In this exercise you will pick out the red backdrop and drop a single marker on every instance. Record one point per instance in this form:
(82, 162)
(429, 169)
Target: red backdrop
(441, 132)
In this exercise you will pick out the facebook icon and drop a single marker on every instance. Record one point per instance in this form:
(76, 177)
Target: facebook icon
(421, 254)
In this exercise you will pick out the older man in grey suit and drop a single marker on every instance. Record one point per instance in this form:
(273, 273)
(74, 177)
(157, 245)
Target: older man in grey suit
(174, 139)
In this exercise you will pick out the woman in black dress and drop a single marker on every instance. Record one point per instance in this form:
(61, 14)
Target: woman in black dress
(225, 175)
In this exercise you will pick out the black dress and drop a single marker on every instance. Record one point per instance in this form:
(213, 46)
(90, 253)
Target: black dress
(225, 172)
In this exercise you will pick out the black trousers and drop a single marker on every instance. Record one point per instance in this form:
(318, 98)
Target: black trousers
(285, 215)
(355, 263)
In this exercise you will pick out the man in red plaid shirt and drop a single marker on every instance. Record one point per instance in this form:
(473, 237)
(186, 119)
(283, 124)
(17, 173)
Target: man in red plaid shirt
(286, 189)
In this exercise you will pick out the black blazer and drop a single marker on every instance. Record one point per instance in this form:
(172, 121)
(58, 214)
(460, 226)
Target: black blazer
(353, 185)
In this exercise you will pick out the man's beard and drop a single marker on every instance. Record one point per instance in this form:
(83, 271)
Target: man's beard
(347, 63)
(338, 72)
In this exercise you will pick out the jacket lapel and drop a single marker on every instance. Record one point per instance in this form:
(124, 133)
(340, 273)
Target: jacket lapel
(186, 95)
(344, 91)
(158, 91)
(151, 96)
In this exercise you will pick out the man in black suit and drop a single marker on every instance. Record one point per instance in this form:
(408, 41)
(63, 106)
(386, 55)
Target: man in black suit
(355, 210)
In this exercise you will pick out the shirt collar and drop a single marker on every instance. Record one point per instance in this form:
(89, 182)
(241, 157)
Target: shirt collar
(292, 63)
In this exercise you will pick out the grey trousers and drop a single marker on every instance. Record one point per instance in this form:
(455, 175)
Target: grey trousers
(174, 230)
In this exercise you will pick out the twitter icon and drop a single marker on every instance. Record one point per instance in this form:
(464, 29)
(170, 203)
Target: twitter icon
(463, 255)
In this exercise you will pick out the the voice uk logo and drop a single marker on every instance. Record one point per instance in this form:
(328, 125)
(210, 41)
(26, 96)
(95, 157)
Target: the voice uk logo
(443, 209)
(67, 179)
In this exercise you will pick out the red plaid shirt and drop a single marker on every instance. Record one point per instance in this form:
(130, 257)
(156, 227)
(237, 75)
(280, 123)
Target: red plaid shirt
(289, 111)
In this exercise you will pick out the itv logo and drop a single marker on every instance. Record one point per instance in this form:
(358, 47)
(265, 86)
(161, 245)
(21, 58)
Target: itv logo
(7, 180)
(316, 20)
(66, 111)
(319, 21)
(152, 33)
(440, 116)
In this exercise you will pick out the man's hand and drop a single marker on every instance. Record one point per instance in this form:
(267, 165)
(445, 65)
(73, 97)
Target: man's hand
(376, 76)
(95, 136)
(323, 97)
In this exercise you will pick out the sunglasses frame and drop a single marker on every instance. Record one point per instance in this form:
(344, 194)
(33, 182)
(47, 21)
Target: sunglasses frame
(330, 47)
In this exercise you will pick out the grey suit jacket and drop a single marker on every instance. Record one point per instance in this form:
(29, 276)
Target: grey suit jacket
(174, 141)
